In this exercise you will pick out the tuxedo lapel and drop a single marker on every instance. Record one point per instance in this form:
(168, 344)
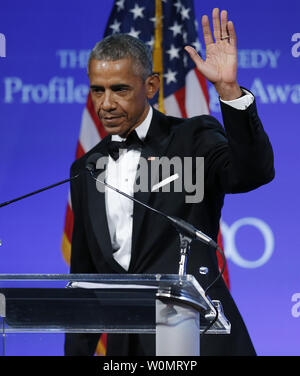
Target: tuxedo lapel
(97, 210)
(156, 144)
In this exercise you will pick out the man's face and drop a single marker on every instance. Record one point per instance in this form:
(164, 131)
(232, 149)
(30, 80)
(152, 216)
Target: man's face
(119, 94)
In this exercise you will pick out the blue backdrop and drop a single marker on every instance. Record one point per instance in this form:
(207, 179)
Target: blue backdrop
(43, 88)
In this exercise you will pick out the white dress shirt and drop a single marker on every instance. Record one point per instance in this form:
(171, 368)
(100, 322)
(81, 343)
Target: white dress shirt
(119, 209)
(121, 175)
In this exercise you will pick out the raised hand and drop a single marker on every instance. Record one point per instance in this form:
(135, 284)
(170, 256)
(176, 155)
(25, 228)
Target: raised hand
(220, 65)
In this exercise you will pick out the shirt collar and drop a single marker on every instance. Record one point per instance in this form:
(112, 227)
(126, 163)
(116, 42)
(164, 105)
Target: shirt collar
(141, 130)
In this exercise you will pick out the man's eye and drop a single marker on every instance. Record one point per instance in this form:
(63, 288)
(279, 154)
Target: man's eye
(121, 89)
(97, 90)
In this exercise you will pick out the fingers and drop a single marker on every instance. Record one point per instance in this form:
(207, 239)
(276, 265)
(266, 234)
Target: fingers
(224, 21)
(216, 24)
(231, 33)
(222, 29)
(208, 39)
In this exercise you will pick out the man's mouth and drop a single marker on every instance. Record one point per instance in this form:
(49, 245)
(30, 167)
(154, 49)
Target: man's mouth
(110, 119)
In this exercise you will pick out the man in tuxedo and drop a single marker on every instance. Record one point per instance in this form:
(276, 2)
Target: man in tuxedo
(113, 235)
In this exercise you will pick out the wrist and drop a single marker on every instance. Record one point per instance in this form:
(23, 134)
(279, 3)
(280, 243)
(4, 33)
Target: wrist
(229, 92)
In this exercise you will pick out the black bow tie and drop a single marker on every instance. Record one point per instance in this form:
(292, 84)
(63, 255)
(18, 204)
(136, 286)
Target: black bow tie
(132, 142)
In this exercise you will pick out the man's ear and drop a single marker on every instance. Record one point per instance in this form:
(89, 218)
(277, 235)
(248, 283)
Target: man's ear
(152, 85)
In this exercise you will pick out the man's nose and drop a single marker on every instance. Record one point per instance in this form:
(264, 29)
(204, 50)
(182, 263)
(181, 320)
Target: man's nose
(108, 101)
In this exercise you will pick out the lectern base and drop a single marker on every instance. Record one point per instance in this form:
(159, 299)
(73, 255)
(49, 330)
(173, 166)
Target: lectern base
(177, 330)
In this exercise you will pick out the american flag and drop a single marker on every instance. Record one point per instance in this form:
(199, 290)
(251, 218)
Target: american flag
(184, 88)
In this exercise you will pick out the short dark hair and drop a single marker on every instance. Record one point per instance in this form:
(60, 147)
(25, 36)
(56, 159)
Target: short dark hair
(122, 46)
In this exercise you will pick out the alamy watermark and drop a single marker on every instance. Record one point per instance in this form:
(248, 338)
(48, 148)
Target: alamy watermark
(296, 307)
(2, 45)
(154, 174)
(296, 46)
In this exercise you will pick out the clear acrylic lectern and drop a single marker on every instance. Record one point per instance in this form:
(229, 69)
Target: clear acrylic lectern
(173, 307)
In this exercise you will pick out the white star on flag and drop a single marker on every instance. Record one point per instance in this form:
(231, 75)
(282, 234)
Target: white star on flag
(176, 28)
(173, 52)
(120, 4)
(137, 11)
(134, 33)
(178, 5)
(115, 26)
(170, 76)
(185, 13)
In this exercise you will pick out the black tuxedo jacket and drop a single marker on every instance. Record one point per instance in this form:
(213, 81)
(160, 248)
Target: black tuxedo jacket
(237, 159)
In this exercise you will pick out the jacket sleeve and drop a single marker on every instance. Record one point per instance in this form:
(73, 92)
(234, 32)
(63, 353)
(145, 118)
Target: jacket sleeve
(240, 158)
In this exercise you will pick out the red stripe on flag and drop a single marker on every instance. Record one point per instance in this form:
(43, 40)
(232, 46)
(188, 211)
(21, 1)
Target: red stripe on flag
(80, 151)
(180, 98)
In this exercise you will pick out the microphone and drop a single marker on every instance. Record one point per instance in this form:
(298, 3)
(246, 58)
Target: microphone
(38, 191)
(191, 231)
(181, 225)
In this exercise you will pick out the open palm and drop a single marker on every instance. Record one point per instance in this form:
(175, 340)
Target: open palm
(220, 66)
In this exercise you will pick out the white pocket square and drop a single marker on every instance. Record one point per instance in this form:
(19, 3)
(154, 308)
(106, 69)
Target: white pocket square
(164, 182)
